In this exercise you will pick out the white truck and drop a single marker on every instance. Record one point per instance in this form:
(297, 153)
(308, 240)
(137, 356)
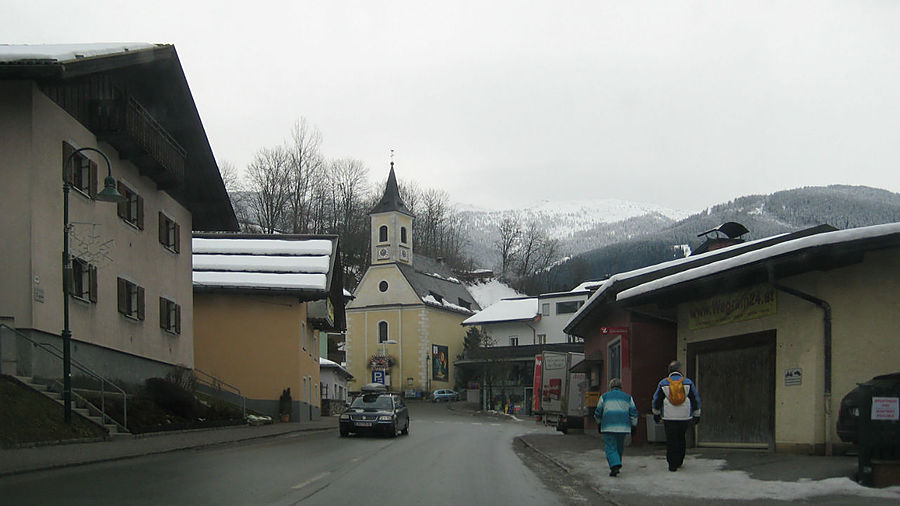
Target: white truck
(562, 392)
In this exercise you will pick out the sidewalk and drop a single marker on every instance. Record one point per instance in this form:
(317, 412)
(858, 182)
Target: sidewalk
(709, 474)
(23, 460)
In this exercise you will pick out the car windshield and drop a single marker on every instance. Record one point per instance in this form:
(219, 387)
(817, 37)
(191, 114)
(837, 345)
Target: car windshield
(372, 402)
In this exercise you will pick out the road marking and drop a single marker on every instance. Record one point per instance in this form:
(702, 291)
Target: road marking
(575, 496)
(314, 478)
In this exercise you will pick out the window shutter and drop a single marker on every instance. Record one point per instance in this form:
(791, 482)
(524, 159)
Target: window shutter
(140, 210)
(92, 184)
(163, 314)
(122, 293)
(177, 318)
(140, 298)
(163, 233)
(122, 206)
(93, 289)
(177, 238)
(67, 150)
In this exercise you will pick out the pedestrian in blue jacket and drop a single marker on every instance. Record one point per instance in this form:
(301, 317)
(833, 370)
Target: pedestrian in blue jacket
(676, 403)
(616, 415)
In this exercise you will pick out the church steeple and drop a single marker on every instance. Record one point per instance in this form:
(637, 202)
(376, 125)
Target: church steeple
(392, 221)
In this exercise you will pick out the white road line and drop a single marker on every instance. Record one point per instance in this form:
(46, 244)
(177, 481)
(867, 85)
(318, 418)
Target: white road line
(314, 478)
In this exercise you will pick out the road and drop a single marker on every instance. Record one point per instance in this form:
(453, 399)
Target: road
(449, 457)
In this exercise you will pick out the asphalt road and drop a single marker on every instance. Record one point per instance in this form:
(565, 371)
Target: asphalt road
(449, 457)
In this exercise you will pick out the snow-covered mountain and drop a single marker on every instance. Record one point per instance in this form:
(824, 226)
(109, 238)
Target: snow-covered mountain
(579, 225)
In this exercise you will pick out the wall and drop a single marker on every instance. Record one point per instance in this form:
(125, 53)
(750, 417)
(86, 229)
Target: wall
(554, 324)
(254, 342)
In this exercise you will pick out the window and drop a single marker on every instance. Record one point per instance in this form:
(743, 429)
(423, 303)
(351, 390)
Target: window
(81, 173)
(436, 296)
(131, 299)
(545, 309)
(513, 340)
(614, 353)
(568, 307)
(131, 209)
(382, 233)
(403, 235)
(466, 304)
(541, 339)
(169, 233)
(83, 283)
(169, 316)
(382, 332)
(383, 286)
(303, 335)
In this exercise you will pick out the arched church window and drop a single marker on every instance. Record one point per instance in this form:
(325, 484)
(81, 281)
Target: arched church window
(403, 235)
(382, 331)
(382, 233)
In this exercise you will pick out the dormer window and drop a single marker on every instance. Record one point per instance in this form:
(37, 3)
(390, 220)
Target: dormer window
(403, 235)
(437, 297)
(382, 233)
(466, 304)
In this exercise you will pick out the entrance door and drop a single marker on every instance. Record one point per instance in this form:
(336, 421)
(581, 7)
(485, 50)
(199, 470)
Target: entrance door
(736, 380)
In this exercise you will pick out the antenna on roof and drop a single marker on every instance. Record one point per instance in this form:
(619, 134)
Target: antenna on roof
(392, 158)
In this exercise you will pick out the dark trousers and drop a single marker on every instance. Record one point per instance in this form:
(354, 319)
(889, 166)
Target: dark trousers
(675, 441)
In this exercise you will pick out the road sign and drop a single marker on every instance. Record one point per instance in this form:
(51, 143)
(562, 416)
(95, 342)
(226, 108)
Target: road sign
(378, 377)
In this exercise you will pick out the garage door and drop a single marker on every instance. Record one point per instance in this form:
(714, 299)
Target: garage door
(737, 389)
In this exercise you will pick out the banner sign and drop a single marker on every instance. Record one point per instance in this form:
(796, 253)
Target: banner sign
(440, 365)
(537, 383)
(748, 304)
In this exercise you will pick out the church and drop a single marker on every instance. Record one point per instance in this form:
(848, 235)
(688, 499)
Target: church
(404, 324)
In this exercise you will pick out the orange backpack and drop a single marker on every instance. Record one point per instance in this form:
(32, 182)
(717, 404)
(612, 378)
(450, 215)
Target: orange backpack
(676, 391)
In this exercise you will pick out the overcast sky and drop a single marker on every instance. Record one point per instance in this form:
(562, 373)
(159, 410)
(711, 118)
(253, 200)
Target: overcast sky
(676, 103)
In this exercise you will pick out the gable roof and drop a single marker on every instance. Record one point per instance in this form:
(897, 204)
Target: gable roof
(506, 310)
(429, 278)
(145, 81)
(391, 200)
(324, 363)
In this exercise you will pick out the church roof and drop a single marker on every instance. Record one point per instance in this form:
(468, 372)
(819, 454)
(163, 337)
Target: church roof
(391, 200)
(434, 283)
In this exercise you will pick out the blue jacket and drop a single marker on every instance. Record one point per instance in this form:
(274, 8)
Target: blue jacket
(686, 410)
(616, 412)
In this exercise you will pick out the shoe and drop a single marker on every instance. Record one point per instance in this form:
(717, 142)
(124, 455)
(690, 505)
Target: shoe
(614, 470)
(673, 468)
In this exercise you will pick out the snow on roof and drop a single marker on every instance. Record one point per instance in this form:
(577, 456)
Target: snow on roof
(262, 246)
(429, 299)
(762, 254)
(587, 285)
(277, 264)
(66, 52)
(486, 294)
(257, 263)
(324, 362)
(506, 310)
(269, 280)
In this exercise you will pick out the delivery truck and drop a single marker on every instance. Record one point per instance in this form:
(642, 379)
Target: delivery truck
(562, 391)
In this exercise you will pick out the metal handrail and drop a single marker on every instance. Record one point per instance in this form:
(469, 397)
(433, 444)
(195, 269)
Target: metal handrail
(56, 352)
(205, 378)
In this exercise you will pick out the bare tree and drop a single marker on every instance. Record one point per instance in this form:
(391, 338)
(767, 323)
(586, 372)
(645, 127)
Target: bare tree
(268, 178)
(510, 234)
(305, 164)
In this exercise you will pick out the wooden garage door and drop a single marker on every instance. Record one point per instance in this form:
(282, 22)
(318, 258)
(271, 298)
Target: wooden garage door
(737, 390)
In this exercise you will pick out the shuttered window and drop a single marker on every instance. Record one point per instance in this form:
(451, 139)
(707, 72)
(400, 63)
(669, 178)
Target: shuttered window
(131, 209)
(131, 299)
(81, 173)
(83, 284)
(169, 233)
(169, 316)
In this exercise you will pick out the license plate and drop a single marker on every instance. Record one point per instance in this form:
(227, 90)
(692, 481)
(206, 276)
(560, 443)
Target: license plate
(363, 424)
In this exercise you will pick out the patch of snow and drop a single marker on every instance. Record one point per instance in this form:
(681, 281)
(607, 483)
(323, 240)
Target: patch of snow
(430, 300)
(506, 310)
(66, 52)
(309, 247)
(287, 281)
(488, 293)
(260, 263)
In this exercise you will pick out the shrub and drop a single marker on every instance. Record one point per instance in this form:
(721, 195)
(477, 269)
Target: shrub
(172, 397)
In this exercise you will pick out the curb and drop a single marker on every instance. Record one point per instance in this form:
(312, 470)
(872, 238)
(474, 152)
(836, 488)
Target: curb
(545, 455)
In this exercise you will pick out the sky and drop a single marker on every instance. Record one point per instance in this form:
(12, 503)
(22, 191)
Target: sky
(680, 104)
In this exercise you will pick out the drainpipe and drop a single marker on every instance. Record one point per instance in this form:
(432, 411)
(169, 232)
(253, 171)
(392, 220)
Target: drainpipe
(826, 309)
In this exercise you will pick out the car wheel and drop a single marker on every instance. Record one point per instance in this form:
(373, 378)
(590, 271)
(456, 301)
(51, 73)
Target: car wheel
(405, 430)
(344, 433)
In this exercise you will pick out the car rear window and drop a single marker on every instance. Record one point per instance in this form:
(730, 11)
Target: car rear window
(372, 402)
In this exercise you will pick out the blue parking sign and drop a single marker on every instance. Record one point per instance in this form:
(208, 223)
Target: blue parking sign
(378, 377)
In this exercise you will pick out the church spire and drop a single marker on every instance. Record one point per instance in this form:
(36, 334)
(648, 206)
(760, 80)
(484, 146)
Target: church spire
(391, 200)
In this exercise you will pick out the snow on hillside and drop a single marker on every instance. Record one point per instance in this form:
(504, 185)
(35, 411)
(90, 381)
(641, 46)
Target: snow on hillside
(488, 293)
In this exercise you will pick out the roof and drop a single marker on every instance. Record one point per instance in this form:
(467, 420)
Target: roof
(391, 200)
(832, 244)
(330, 364)
(622, 281)
(275, 263)
(506, 310)
(430, 277)
(151, 76)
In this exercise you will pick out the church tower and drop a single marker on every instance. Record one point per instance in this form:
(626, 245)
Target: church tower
(391, 220)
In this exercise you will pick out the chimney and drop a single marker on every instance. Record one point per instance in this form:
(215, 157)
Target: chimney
(732, 232)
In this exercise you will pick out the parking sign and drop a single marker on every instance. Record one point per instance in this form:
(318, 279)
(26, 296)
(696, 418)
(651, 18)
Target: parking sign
(378, 377)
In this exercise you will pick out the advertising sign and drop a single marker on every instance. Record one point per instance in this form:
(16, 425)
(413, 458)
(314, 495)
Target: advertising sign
(886, 408)
(440, 365)
(749, 304)
(536, 392)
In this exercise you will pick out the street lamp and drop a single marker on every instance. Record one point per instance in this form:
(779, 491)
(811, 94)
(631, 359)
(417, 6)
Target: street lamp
(384, 354)
(108, 194)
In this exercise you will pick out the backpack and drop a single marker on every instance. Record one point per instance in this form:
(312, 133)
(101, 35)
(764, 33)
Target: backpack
(676, 391)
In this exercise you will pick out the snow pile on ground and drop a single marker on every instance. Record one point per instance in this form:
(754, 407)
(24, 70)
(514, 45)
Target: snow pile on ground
(702, 478)
(486, 294)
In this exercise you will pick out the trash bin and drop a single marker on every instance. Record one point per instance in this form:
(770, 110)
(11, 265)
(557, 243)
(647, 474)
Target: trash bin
(879, 434)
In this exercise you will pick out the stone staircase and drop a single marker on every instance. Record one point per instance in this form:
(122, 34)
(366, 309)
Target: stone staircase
(79, 406)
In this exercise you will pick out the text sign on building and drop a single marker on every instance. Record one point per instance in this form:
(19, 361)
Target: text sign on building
(748, 304)
(886, 408)
(793, 377)
(554, 362)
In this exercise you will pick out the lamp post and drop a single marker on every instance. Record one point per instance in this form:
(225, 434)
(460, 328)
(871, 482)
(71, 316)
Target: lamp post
(108, 194)
(384, 354)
